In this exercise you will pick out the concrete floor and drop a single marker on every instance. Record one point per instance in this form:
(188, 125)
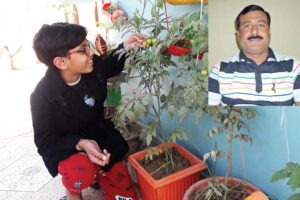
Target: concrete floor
(23, 175)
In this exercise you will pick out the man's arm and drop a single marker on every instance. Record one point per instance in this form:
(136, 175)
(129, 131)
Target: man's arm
(214, 96)
(296, 76)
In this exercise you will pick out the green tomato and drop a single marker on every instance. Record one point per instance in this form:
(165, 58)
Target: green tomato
(192, 41)
(149, 41)
(204, 72)
(153, 40)
(145, 43)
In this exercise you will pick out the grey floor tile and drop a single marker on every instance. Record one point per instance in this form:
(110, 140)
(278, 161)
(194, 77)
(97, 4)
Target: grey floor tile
(9, 195)
(4, 142)
(15, 149)
(26, 174)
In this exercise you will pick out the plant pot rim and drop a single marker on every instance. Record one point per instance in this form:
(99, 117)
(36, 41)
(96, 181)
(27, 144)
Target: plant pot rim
(203, 183)
(196, 165)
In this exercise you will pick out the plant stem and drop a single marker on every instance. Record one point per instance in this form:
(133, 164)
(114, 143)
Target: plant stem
(157, 19)
(229, 155)
(164, 165)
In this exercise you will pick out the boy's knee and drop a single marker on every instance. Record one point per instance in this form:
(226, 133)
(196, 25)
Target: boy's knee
(78, 172)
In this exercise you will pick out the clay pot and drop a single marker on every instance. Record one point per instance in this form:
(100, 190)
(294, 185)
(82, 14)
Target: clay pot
(230, 181)
(257, 195)
(172, 186)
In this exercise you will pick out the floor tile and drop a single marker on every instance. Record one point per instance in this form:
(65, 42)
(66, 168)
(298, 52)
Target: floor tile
(26, 174)
(15, 149)
(4, 142)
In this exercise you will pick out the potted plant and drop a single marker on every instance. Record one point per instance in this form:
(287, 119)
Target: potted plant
(291, 172)
(227, 187)
(154, 97)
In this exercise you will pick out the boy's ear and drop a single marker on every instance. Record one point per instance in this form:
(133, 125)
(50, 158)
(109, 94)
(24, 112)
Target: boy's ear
(60, 63)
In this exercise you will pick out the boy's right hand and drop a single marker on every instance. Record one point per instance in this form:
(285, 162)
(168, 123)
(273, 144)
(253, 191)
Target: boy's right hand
(93, 151)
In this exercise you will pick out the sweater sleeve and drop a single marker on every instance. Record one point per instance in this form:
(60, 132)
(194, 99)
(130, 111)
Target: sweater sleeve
(50, 143)
(109, 65)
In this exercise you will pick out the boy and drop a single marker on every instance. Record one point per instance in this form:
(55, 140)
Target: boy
(70, 131)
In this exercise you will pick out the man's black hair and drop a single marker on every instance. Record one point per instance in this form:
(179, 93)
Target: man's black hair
(249, 9)
(56, 40)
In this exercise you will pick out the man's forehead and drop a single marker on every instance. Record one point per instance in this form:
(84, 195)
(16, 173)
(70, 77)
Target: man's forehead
(254, 15)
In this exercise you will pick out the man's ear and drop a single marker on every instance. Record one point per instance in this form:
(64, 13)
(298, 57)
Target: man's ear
(60, 63)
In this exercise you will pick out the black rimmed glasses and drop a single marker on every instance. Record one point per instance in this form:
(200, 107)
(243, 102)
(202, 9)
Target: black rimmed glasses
(86, 49)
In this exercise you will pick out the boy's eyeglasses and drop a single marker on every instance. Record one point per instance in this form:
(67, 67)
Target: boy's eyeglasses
(86, 49)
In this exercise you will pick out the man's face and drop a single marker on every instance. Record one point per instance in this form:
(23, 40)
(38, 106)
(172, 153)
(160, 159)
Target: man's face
(254, 33)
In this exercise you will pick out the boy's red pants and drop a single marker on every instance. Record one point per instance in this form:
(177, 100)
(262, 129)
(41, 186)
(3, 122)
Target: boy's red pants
(78, 173)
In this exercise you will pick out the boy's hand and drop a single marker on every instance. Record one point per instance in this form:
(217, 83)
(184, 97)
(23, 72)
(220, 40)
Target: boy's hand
(135, 40)
(93, 151)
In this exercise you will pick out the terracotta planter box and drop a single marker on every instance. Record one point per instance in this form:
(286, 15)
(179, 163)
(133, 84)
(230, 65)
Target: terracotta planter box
(170, 187)
(231, 181)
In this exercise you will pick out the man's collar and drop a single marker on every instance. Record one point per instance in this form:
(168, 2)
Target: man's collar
(270, 57)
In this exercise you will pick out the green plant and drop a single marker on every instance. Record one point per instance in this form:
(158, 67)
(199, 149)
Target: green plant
(292, 173)
(156, 94)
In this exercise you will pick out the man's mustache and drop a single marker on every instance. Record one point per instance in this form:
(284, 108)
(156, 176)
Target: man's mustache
(254, 37)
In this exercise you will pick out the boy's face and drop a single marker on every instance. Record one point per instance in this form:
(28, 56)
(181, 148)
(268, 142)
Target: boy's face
(80, 59)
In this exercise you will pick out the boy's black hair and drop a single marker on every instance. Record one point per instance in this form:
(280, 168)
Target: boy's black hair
(249, 9)
(56, 40)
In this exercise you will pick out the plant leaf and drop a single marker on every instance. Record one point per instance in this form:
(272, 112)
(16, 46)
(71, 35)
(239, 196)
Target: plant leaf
(295, 197)
(217, 191)
(215, 131)
(181, 113)
(148, 139)
(294, 179)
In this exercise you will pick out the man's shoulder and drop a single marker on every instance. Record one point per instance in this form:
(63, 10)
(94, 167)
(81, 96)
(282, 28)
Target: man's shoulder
(282, 57)
(225, 61)
(234, 58)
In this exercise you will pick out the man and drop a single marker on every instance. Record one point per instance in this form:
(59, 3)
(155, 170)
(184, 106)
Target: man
(257, 75)
(70, 131)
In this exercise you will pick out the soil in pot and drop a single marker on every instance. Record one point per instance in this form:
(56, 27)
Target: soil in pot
(236, 192)
(158, 168)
